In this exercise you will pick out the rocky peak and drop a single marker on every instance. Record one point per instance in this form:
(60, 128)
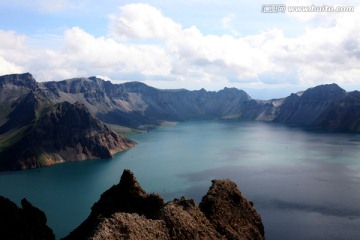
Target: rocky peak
(75, 85)
(126, 211)
(327, 92)
(233, 93)
(128, 196)
(231, 213)
(21, 80)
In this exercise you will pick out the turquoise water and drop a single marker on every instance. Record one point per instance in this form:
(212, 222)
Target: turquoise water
(305, 184)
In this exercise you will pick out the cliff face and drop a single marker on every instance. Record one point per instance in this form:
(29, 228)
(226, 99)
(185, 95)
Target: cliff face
(36, 130)
(307, 108)
(137, 105)
(126, 211)
(26, 223)
(58, 133)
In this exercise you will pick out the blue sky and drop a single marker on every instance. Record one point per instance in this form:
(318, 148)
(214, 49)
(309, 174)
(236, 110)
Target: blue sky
(177, 44)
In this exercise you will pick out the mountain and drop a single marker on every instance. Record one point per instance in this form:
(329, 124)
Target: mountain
(306, 108)
(49, 122)
(37, 131)
(137, 105)
(325, 107)
(343, 114)
(126, 211)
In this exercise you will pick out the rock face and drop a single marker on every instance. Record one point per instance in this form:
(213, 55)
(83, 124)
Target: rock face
(36, 131)
(126, 211)
(230, 213)
(26, 223)
(137, 105)
(62, 132)
(310, 105)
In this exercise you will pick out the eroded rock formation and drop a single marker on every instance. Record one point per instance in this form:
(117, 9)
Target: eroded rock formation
(126, 211)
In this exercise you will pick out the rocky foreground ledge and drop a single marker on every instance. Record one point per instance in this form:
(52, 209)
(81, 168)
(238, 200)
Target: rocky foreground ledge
(126, 211)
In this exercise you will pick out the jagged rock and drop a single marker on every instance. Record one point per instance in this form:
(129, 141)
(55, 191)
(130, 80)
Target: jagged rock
(126, 211)
(231, 214)
(185, 220)
(126, 197)
(130, 226)
(28, 223)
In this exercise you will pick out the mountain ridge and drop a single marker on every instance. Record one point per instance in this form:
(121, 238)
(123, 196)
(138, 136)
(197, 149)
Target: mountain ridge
(139, 106)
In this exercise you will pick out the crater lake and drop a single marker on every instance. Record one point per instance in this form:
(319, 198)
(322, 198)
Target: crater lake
(304, 183)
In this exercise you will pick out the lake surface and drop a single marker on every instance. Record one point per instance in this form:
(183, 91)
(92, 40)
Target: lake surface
(305, 184)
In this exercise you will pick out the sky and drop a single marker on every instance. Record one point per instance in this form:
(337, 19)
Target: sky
(184, 44)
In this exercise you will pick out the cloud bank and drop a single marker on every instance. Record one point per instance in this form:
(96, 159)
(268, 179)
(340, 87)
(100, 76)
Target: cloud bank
(144, 44)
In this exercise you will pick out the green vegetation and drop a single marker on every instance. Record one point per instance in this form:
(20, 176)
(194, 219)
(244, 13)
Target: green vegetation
(9, 139)
(126, 131)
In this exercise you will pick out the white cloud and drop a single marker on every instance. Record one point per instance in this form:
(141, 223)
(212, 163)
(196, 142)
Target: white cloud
(226, 23)
(8, 67)
(107, 55)
(143, 44)
(142, 21)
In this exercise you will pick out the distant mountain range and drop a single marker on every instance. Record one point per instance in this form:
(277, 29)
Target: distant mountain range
(42, 123)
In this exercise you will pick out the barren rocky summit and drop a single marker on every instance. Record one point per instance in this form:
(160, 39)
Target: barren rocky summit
(126, 211)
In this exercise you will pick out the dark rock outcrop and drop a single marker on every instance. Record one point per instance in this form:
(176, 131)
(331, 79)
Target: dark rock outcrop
(306, 108)
(126, 211)
(231, 214)
(26, 223)
(58, 133)
(36, 129)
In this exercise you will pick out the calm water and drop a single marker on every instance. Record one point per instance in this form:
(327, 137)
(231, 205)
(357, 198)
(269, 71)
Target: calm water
(305, 184)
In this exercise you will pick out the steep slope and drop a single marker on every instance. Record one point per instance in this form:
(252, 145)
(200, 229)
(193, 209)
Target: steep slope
(137, 105)
(343, 114)
(37, 130)
(126, 211)
(58, 133)
(306, 108)
(13, 87)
